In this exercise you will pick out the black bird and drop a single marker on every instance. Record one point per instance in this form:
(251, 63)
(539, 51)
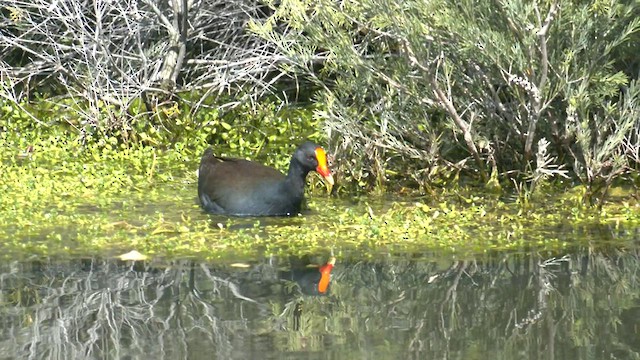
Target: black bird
(246, 188)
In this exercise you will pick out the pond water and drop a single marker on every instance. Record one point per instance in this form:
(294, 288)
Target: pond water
(580, 304)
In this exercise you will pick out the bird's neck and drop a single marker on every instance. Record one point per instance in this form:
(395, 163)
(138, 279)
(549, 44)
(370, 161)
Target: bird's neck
(296, 175)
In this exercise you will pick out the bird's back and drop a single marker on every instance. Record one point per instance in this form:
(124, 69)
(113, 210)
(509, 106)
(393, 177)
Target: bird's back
(242, 187)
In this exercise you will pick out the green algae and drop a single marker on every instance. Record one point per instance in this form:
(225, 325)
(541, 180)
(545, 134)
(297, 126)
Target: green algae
(65, 198)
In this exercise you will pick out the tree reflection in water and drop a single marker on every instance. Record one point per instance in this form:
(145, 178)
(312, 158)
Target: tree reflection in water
(578, 305)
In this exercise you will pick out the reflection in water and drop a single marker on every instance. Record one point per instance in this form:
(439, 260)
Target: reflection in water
(580, 306)
(307, 279)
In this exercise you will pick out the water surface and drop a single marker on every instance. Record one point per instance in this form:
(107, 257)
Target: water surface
(580, 304)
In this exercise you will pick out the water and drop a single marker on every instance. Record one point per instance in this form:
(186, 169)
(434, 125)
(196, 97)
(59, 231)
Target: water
(581, 304)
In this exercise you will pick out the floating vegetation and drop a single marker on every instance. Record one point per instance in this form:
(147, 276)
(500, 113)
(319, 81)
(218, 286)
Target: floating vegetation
(67, 199)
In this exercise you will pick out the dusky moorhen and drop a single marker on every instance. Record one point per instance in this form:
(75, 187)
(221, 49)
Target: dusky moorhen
(246, 188)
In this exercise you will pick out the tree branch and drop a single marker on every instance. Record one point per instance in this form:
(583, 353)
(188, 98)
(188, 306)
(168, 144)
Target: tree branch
(542, 82)
(451, 109)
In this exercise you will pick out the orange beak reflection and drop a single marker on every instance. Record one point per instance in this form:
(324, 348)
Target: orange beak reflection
(325, 278)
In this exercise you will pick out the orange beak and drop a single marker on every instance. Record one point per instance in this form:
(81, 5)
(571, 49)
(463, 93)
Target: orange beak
(323, 168)
(325, 278)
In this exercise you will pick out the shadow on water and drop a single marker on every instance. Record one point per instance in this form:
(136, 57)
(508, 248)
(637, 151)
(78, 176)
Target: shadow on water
(581, 305)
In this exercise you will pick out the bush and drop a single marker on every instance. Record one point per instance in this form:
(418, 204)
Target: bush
(527, 90)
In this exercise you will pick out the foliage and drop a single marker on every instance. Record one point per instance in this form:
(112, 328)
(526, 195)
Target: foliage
(244, 128)
(427, 89)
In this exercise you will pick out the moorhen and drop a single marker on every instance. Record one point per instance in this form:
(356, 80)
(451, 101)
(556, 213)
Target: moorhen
(245, 188)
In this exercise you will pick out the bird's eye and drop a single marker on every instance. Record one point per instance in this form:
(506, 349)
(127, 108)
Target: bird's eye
(311, 157)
